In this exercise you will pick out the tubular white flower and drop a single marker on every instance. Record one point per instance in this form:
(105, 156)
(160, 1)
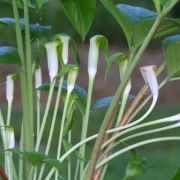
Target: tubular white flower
(65, 42)
(52, 57)
(38, 77)
(93, 56)
(9, 88)
(149, 76)
(72, 75)
(10, 138)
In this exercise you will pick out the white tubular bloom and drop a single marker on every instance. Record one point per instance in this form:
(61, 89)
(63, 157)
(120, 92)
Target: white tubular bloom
(10, 138)
(65, 42)
(72, 75)
(149, 76)
(52, 57)
(38, 77)
(93, 56)
(9, 88)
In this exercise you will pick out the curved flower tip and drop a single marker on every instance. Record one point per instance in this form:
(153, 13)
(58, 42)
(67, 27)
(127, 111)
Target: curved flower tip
(10, 88)
(72, 76)
(64, 38)
(38, 77)
(148, 73)
(52, 57)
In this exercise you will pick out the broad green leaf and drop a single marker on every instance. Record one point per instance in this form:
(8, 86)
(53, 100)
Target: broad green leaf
(36, 30)
(80, 13)
(79, 91)
(104, 102)
(137, 21)
(171, 48)
(137, 166)
(9, 55)
(19, 3)
(66, 68)
(177, 175)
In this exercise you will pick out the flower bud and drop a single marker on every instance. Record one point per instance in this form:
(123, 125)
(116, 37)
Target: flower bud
(72, 75)
(65, 42)
(93, 56)
(52, 57)
(38, 77)
(9, 88)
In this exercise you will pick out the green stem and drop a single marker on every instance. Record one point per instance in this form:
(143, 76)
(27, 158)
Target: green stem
(114, 104)
(29, 145)
(61, 129)
(85, 122)
(149, 141)
(45, 115)
(38, 106)
(52, 124)
(77, 170)
(69, 160)
(20, 156)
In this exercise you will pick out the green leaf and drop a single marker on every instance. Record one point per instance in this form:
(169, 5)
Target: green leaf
(80, 13)
(36, 30)
(104, 102)
(177, 175)
(9, 55)
(18, 2)
(66, 68)
(171, 48)
(137, 166)
(136, 22)
(37, 158)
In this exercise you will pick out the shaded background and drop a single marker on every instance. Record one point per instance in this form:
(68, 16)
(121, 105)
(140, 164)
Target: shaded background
(164, 156)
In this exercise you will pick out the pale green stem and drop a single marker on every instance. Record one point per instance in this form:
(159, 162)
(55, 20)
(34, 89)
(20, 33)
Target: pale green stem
(20, 156)
(77, 170)
(38, 106)
(149, 141)
(69, 160)
(45, 115)
(140, 134)
(14, 172)
(31, 173)
(52, 125)
(85, 122)
(163, 120)
(61, 129)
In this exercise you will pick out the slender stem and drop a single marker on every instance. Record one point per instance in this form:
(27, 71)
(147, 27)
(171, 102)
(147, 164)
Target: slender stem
(20, 156)
(77, 170)
(149, 141)
(45, 115)
(85, 122)
(140, 134)
(69, 160)
(29, 126)
(38, 106)
(52, 124)
(62, 127)
(118, 94)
